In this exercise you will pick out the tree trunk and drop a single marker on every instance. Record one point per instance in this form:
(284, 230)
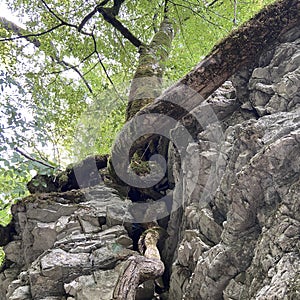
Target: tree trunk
(146, 86)
(141, 268)
(147, 81)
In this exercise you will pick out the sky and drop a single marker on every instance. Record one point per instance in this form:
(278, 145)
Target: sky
(4, 12)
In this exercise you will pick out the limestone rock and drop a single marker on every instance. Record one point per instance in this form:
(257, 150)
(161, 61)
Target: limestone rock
(239, 233)
(62, 238)
(91, 287)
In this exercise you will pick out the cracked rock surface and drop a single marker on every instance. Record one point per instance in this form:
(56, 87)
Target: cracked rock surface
(71, 243)
(239, 225)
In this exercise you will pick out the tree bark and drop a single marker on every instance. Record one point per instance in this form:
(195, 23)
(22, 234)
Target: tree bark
(140, 268)
(137, 270)
(147, 81)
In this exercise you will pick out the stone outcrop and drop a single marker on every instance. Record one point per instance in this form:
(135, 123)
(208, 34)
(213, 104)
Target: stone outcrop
(239, 226)
(236, 234)
(71, 243)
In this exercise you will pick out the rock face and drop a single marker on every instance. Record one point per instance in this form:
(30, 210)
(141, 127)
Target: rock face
(239, 226)
(236, 234)
(71, 243)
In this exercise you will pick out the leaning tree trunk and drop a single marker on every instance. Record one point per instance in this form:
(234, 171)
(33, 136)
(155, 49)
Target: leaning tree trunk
(240, 48)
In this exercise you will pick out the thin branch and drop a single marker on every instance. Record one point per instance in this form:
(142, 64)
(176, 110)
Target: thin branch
(79, 73)
(182, 33)
(63, 22)
(234, 12)
(34, 159)
(104, 69)
(27, 36)
(213, 11)
(57, 17)
(90, 69)
(71, 66)
(123, 47)
(39, 153)
(211, 3)
(196, 13)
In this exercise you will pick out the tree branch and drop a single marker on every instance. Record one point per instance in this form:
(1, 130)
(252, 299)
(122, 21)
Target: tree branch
(63, 62)
(110, 18)
(91, 14)
(34, 159)
(63, 22)
(10, 26)
(104, 69)
(18, 30)
(196, 13)
(182, 33)
(109, 15)
(87, 18)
